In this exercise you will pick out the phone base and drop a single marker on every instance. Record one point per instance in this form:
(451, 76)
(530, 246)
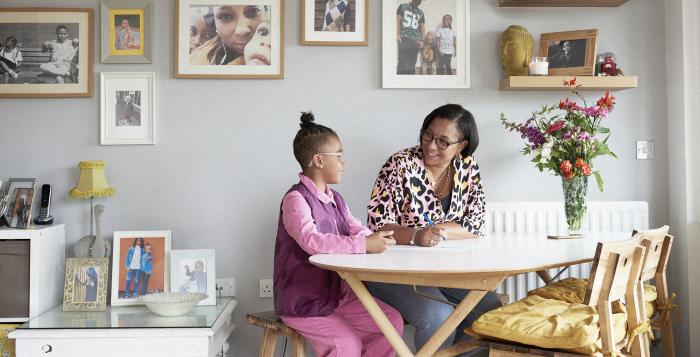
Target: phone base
(43, 221)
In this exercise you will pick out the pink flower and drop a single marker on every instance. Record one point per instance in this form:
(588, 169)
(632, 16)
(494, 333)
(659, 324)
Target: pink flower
(591, 111)
(586, 169)
(566, 167)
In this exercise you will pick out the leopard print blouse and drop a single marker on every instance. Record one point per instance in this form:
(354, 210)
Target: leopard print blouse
(402, 193)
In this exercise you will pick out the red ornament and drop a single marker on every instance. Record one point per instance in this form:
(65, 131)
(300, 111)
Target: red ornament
(608, 67)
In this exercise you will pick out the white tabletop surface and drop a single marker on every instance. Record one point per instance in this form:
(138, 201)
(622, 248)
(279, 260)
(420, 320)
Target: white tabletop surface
(508, 252)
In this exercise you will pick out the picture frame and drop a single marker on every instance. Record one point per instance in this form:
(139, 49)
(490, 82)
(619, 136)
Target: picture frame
(85, 284)
(51, 52)
(127, 108)
(126, 31)
(19, 198)
(129, 283)
(570, 52)
(200, 52)
(194, 270)
(417, 25)
(327, 23)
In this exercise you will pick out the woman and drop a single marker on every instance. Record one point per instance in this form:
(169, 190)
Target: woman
(439, 179)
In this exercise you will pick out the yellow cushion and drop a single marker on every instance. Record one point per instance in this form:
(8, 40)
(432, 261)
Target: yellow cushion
(650, 296)
(570, 290)
(7, 346)
(548, 323)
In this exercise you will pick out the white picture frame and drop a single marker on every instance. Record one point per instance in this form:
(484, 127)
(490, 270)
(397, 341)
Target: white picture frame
(158, 280)
(316, 32)
(433, 12)
(127, 108)
(194, 270)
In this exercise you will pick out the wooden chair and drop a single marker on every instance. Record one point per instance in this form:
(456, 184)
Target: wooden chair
(273, 327)
(615, 274)
(658, 245)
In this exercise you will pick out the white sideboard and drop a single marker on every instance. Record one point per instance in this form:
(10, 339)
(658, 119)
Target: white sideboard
(127, 331)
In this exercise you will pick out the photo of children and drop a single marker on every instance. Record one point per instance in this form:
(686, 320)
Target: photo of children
(39, 53)
(194, 271)
(128, 108)
(21, 208)
(127, 32)
(193, 276)
(85, 284)
(334, 15)
(426, 40)
(230, 35)
(141, 266)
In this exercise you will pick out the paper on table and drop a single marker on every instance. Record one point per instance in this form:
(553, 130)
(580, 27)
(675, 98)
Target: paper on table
(463, 244)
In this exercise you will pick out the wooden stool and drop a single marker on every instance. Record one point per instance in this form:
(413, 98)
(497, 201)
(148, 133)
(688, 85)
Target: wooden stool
(273, 327)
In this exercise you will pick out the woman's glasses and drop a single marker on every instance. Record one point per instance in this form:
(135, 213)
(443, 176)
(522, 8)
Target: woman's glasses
(441, 143)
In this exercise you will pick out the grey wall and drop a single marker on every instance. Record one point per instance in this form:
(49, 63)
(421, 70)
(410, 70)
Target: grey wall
(224, 159)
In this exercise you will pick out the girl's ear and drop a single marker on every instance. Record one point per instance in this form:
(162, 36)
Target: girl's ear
(316, 162)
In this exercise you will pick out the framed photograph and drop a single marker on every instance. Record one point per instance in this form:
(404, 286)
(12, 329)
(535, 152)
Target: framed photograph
(334, 22)
(139, 265)
(127, 108)
(19, 196)
(570, 52)
(46, 52)
(126, 31)
(85, 284)
(229, 39)
(425, 44)
(193, 271)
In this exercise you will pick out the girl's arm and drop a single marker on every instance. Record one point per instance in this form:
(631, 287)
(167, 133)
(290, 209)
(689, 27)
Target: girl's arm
(454, 53)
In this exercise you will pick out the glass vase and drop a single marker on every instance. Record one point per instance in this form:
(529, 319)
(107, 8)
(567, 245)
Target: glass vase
(575, 190)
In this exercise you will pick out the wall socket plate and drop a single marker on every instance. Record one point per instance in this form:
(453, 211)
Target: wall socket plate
(266, 288)
(645, 150)
(227, 287)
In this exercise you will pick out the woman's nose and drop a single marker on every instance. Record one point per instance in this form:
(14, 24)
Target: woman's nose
(243, 28)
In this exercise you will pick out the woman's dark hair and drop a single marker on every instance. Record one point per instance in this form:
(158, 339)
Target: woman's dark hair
(137, 239)
(465, 123)
(310, 139)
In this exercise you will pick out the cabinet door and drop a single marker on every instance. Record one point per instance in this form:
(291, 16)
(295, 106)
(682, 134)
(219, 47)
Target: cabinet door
(14, 278)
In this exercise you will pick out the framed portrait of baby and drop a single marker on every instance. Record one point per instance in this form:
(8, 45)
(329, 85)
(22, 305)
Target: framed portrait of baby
(46, 52)
(194, 271)
(85, 284)
(334, 22)
(425, 44)
(140, 265)
(127, 108)
(126, 31)
(570, 52)
(230, 39)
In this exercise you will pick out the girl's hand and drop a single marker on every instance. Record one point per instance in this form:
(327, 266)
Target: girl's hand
(377, 242)
(429, 236)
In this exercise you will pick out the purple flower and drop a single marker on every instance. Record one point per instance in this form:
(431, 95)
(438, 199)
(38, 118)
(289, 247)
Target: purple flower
(533, 135)
(568, 135)
(591, 111)
(583, 136)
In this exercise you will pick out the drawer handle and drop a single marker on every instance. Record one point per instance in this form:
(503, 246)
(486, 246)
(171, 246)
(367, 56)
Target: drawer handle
(46, 348)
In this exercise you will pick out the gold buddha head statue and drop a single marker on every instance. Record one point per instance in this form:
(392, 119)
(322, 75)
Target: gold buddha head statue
(517, 45)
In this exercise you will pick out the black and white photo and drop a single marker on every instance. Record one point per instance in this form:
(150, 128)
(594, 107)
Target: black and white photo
(128, 108)
(127, 113)
(569, 52)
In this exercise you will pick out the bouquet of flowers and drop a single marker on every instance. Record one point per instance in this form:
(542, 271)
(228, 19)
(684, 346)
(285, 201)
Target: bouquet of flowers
(564, 139)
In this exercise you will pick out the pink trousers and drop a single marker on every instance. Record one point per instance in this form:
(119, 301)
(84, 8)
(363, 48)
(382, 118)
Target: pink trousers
(349, 331)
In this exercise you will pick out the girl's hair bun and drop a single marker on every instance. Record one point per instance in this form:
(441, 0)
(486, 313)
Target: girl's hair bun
(307, 119)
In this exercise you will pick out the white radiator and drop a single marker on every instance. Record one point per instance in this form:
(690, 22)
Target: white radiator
(549, 217)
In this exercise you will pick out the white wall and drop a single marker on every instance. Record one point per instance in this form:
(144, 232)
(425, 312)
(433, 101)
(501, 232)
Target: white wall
(224, 158)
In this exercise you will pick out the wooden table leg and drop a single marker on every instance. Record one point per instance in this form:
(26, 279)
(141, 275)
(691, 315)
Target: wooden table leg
(544, 275)
(377, 314)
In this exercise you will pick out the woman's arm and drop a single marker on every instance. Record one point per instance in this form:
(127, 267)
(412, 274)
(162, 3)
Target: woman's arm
(454, 230)
(475, 212)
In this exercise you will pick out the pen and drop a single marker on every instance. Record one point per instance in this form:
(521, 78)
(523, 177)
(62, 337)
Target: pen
(432, 224)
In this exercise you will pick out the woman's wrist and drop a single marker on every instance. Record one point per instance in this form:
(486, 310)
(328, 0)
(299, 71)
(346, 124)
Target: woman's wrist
(413, 236)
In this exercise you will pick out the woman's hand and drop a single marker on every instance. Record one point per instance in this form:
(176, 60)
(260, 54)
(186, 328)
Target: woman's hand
(377, 242)
(429, 236)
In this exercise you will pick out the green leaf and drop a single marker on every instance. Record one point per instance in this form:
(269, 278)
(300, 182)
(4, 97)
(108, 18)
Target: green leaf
(603, 130)
(537, 158)
(598, 180)
(612, 154)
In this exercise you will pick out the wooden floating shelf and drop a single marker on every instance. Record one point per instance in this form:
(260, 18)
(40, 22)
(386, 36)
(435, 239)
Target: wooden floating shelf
(560, 3)
(556, 83)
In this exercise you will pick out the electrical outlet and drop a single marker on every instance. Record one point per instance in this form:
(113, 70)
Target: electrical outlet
(266, 288)
(645, 150)
(226, 286)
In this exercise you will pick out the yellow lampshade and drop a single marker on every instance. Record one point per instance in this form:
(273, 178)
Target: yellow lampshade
(92, 181)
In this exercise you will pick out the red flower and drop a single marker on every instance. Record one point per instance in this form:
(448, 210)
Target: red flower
(580, 162)
(565, 167)
(607, 101)
(567, 105)
(570, 83)
(569, 175)
(557, 125)
(586, 169)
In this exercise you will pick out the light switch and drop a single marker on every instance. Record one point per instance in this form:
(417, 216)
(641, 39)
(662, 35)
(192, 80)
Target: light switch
(645, 150)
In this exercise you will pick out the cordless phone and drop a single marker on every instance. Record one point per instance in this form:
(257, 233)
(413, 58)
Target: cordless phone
(44, 211)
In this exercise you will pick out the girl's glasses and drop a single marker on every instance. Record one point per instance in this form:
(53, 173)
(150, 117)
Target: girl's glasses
(339, 155)
(441, 143)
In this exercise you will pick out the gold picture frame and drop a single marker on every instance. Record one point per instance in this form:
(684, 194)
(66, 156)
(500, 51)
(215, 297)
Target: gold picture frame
(570, 53)
(85, 284)
(320, 19)
(259, 56)
(126, 31)
(56, 46)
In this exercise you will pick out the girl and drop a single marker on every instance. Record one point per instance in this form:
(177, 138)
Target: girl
(315, 219)
(133, 267)
(10, 57)
(447, 45)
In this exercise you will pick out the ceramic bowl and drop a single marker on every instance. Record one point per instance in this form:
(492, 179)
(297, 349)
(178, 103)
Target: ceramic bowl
(172, 304)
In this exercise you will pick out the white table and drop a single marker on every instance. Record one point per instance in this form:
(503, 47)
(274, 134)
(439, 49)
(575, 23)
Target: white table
(477, 264)
(127, 331)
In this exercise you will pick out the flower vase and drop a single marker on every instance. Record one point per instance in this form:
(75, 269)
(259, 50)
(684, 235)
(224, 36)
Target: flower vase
(575, 190)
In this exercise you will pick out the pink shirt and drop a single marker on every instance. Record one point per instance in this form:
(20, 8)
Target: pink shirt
(297, 220)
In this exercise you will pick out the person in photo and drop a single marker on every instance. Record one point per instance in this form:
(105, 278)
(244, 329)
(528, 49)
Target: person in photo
(336, 16)
(146, 268)
(62, 52)
(132, 264)
(410, 32)
(90, 284)
(427, 55)
(447, 45)
(10, 57)
(125, 36)
(202, 28)
(198, 277)
(259, 50)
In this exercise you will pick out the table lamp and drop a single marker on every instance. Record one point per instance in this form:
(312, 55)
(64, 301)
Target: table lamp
(92, 183)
